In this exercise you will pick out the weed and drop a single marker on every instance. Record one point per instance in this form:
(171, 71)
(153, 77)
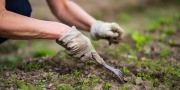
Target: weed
(144, 76)
(125, 71)
(34, 66)
(140, 39)
(43, 52)
(171, 41)
(64, 77)
(94, 80)
(164, 51)
(122, 48)
(124, 87)
(153, 26)
(159, 22)
(155, 82)
(85, 83)
(106, 85)
(176, 73)
(162, 37)
(169, 31)
(49, 75)
(25, 86)
(64, 87)
(168, 82)
(76, 73)
(167, 69)
(63, 55)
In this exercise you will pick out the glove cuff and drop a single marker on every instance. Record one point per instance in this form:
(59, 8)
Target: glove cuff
(94, 29)
(72, 33)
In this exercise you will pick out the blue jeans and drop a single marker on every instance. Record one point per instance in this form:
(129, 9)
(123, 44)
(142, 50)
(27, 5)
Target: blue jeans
(21, 7)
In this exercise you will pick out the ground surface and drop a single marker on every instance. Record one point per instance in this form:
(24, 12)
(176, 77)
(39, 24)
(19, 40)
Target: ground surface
(148, 56)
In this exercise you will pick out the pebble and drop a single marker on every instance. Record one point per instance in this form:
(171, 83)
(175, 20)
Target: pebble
(44, 75)
(127, 78)
(7, 74)
(138, 81)
(50, 85)
(85, 72)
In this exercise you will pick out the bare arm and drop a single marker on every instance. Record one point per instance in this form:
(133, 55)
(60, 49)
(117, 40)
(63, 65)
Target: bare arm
(71, 14)
(16, 26)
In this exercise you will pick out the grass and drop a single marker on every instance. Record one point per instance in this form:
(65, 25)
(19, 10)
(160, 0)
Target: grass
(65, 87)
(116, 51)
(106, 86)
(124, 87)
(43, 52)
(141, 39)
(9, 61)
(34, 66)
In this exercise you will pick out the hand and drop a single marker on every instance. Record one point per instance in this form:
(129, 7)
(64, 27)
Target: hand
(79, 46)
(109, 31)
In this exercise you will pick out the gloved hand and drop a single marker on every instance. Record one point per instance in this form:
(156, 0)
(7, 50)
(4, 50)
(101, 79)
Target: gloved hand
(79, 46)
(109, 31)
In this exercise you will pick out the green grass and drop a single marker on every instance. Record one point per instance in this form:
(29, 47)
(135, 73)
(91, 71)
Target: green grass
(65, 87)
(140, 39)
(34, 66)
(27, 86)
(76, 73)
(117, 51)
(124, 87)
(10, 61)
(43, 52)
(106, 85)
(125, 71)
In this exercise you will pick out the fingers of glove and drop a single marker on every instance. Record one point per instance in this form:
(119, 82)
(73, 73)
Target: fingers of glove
(111, 34)
(73, 53)
(118, 29)
(97, 58)
(72, 46)
(87, 56)
(113, 41)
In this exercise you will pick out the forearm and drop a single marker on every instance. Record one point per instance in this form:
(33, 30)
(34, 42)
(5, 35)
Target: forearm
(16, 26)
(71, 14)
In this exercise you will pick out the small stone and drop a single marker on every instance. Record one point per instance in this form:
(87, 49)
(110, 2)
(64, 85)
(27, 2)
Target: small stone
(44, 75)
(56, 69)
(7, 74)
(127, 78)
(138, 81)
(85, 72)
(50, 85)
(147, 85)
(91, 68)
(11, 88)
(98, 87)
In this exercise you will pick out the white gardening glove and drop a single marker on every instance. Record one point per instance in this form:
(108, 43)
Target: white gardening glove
(109, 31)
(79, 46)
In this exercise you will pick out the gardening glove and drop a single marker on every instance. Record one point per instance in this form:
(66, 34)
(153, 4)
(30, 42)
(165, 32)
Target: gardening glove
(109, 31)
(78, 46)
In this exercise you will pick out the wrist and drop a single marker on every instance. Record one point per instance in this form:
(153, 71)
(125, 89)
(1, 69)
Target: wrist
(62, 29)
(95, 29)
(56, 30)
